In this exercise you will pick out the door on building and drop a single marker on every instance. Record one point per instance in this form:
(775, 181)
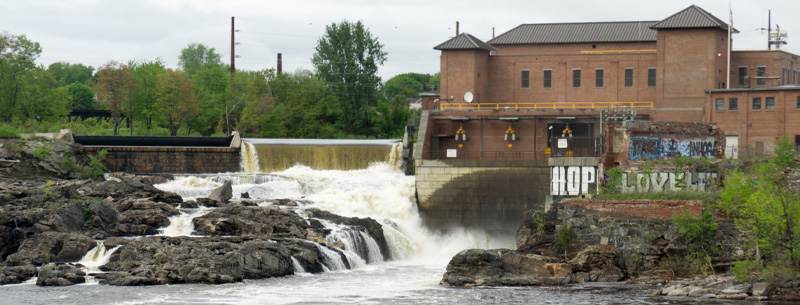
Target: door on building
(732, 147)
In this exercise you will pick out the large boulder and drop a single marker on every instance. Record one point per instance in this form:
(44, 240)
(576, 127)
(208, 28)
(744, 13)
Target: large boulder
(142, 216)
(602, 263)
(535, 235)
(47, 247)
(222, 193)
(214, 260)
(259, 221)
(60, 275)
(503, 267)
(41, 159)
(16, 274)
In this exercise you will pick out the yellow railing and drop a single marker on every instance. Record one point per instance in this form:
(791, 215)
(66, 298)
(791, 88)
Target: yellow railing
(618, 52)
(544, 106)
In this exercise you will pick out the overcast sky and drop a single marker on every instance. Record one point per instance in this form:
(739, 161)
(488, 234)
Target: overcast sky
(93, 32)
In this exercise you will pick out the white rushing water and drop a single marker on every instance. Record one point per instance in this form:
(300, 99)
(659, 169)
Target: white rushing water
(182, 225)
(94, 259)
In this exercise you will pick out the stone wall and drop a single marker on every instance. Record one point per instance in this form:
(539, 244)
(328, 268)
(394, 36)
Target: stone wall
(133, 159)
(641, 229)
(491, 195)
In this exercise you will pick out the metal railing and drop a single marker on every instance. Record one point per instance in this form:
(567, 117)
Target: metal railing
(544, 106)
(486, 155)
(578, 147)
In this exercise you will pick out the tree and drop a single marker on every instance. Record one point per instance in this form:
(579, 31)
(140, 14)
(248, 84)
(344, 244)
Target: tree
(347, 59)
(176, 99)
(196, 56)
(67, 73)
(80, 96)
(764, 207)
(115, 87)
(143, 106)
(17, 62)
(406, 85)
(211, 85)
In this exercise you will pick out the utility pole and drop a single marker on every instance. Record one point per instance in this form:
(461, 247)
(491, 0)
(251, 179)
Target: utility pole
(233, 55)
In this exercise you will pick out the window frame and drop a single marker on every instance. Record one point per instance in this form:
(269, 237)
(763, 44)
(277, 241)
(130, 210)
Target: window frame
(547, 78)
(628, 78)
(651, 77)
(767, 104)
(525, 79)
(719, 104)
(733, 103)
(742, 76)
(756, 99)
(576, 78)
(599, 77)
(761, 71)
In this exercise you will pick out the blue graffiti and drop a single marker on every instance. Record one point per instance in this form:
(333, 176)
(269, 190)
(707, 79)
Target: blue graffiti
(649, 148)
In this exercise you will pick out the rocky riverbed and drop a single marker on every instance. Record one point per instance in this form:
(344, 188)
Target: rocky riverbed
(574, 243)
(50, 217)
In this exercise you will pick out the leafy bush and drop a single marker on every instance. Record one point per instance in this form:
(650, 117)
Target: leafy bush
(95, 167)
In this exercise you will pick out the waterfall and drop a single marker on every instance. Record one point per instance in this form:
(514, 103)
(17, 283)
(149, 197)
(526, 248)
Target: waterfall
(298, 269)
(249, 158)
(355, 241)
(396, 156)
(94, 259)
(183, 225)
(331, 260)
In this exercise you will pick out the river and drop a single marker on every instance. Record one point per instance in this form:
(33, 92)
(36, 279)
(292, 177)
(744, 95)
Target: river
(380, 191)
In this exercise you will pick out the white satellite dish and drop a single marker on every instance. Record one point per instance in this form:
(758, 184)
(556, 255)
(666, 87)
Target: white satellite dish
(468, 97)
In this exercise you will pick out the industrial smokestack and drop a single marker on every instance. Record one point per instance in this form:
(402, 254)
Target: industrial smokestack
(456, 28)
(280, 64)
(492, 32)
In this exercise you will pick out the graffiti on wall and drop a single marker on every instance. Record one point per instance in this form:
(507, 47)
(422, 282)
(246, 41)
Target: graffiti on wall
(667, 182)
(572, 180)
(655, 148)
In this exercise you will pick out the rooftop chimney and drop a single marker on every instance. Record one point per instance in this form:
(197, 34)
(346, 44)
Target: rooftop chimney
(280, 64)
(456, 28)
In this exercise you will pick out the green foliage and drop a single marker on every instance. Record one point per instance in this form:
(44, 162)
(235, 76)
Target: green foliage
(613, 181)
(42, 152)
(347, 59)
(196, 56)
(48, 190)
(95, 167)
(564, 238)
(784, 154)
(408, 85)
(697, 231)
(80, 96)
(66, 74)
(763, 207)
(8, 131)
(746, 271)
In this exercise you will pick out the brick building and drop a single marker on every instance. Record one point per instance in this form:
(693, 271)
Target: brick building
(540, 80)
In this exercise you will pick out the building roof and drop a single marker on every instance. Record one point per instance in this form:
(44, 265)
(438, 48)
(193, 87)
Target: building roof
(544, 33)
(464, 41)
(692, 17)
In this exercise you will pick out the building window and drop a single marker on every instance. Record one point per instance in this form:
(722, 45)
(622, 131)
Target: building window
(761, 72)
(548, 79)
(756, 103)
(598, 78)
(651, 77)
(742, 75)
(720, 104)
(798, 102)
(733, 103)
(526, 79)
(628, 77)
(770, 103)
(576, 78)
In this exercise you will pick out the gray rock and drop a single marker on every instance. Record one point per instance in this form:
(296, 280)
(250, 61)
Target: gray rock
(17, 274)
(142, 216)
(251, 221)
(60, 275)
(222, 193)
(761, 289)
(697, 291)
(162, 260)
(736, 296)
(503, 267)
(737, 289)
(683, 291)
(48, 247)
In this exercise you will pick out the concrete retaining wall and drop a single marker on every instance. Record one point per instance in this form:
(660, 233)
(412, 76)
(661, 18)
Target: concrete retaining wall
(492, 195)
(132, 159)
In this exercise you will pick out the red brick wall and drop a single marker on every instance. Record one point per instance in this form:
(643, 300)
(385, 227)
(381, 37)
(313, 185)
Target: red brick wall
(766, 126)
